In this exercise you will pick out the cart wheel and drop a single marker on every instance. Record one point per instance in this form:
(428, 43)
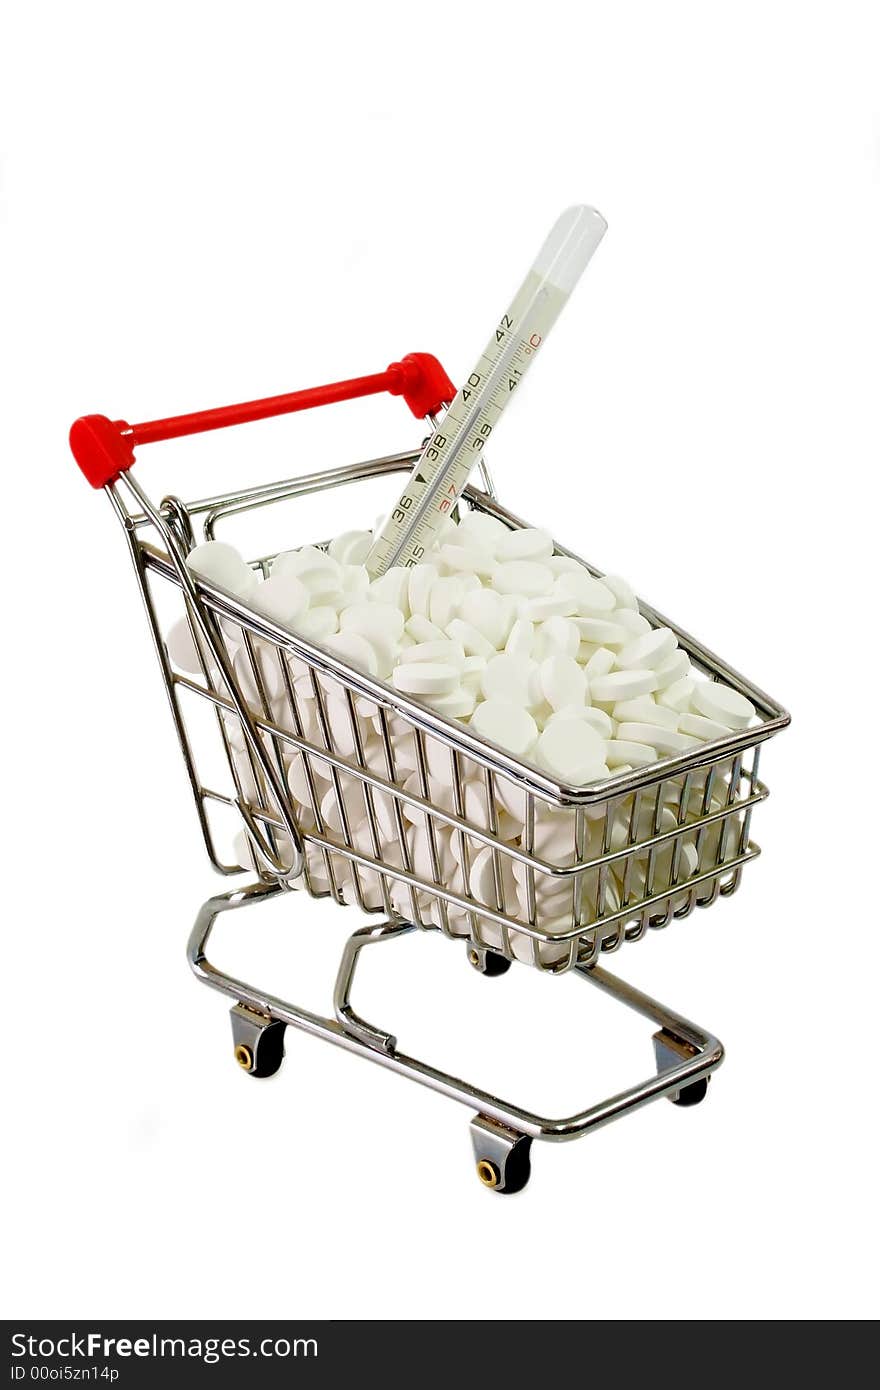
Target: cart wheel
(503, 1157)
(258, 1043)
(692, 1094)
(487, 962)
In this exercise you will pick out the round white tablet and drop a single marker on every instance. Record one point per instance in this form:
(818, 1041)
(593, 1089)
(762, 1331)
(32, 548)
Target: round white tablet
(354, 649)
(571, 750)
(421, 629)
(282, 597)
(599, 663)
(723, 704)
(182, 649)
(314, 567)
(602, 630)
(317, 623)
(550, 606)
(479, 529)
(675, 669)
(488, 613)
(458, 704)
(526, 577)
(222, 565)
(421, 581)
(425, 677)
(392, 587)
(558, 635)
(507, 725)
(707, 730)
(622, 751)
(622, 685)
(563, 681)
(521, 638)
(444, 650)
(373, 618)
(621, 591)
(527, 544)
(643, 708)
(634, 622)
(351, 547)
(465, 558)
(647, 652)
(666, 741)
(592, 598)
(677, 696)
(472, 640)
(446, 594)
(511, 678)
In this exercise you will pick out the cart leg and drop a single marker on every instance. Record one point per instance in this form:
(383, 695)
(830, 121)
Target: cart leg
(502, 1155)
(258, 1041)
(487, 962)
(670, 1051)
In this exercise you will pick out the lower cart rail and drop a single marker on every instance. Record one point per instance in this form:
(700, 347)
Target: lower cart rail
(685, 1054)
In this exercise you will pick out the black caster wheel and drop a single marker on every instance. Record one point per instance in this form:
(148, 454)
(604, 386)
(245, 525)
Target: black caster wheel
(258, 1043)
(487, 962)
(503, 1157)
(693, 1094)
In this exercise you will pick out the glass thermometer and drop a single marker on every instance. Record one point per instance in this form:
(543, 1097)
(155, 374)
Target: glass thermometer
(452, 450)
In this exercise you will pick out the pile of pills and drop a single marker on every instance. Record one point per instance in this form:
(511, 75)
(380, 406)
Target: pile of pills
(497, 631)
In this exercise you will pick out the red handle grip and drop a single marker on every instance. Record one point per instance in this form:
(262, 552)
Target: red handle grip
(105, 448)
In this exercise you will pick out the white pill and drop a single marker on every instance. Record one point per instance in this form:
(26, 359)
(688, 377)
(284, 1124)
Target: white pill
(511, 678)
(373, 618)
(351, 547)
(623, 751)
(592, 598)
(526, 577)
(596, 718)
(621, 591)
(466, 558)
(562, 681)
(648, 651)
(643, 708)
(476, 528)
(521, 638)
(444, 650)
(473, 668)
(527, 544)
(675, 669)
(221, 564)
(723, 704)
(445, 596)
(677, 696)
(599, 663)
(310, 564)
(269, 672)
(392, 587)
(488, 613)
(603, 631)
(550, 606)
(622, 685)
(558, 635)
(182, 650)
(421, 629)
(355, 584)
(458, 704)
(572, 751)
(421, 581)
(425, 677)
(472, 640)
(634, 622)
(704, 729)
(317, 623)
(353, 648)
(510, 726)
(564, 564)
(282, 597)
(666, 741)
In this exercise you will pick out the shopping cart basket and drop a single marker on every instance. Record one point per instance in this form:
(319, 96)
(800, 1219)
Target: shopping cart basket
(303, 738)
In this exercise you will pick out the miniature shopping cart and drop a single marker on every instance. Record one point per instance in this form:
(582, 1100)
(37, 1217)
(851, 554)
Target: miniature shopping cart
(646, 846)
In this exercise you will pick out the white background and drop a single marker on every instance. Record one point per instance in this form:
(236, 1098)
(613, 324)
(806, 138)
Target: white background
(207, 202)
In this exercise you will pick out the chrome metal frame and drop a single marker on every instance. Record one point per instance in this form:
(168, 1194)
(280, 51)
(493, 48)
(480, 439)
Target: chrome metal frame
(625, 873)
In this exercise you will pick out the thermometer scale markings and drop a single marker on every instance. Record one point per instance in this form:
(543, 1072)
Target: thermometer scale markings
(448, 456)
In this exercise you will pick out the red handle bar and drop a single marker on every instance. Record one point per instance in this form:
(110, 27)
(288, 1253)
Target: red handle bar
(105, 448)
